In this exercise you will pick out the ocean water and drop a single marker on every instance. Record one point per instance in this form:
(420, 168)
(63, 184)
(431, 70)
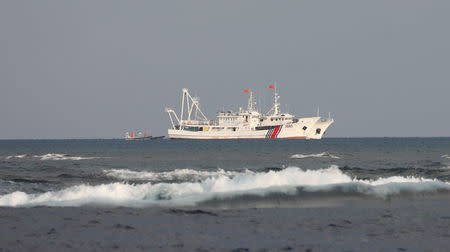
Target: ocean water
(221, 173)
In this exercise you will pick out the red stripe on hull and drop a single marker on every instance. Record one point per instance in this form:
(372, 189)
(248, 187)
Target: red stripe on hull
(275, 131)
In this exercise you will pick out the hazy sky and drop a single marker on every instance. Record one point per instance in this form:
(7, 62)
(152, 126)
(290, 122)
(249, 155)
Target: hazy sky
(94, 69)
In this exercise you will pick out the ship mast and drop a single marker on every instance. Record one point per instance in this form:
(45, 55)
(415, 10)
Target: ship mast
(276, 105)
(251, 103)
(191, 105)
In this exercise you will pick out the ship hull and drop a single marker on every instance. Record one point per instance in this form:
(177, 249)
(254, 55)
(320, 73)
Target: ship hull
(305, 128)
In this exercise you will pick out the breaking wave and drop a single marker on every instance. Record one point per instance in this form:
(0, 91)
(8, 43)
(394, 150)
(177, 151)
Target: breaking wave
(55, 156)
(177, 175)
(318, 155)
(289, 181)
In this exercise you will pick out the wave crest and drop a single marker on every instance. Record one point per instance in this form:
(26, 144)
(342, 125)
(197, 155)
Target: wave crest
(287, 182)
(56, 157)
(318, 155)
(16, 156)
(49, 156)
(176, 175)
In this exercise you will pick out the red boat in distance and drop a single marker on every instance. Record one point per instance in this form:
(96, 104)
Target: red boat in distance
(140, 136)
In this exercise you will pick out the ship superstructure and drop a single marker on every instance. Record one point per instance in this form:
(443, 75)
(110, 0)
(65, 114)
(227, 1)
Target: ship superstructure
(243, 124)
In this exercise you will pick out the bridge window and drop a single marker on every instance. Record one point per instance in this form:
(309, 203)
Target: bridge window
(190, 128)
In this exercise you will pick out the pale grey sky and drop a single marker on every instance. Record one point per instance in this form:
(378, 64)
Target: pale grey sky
(94, 69)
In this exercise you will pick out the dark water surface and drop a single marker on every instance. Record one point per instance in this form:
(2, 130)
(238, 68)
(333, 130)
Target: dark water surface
(189, 172)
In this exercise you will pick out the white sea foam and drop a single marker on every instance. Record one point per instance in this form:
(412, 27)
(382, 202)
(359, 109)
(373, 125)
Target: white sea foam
(284, 181)
(16, 156)
(181, 174)
(318, 155)
(55, 156)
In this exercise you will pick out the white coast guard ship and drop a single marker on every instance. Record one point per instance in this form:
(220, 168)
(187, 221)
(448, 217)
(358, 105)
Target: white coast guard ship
(244, 124)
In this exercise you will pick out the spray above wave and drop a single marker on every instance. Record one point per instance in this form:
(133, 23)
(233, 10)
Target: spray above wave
(288, 181)
(176, 175)
(318, 155)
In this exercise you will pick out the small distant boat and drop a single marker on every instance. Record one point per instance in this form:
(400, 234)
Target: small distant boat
(140, 136)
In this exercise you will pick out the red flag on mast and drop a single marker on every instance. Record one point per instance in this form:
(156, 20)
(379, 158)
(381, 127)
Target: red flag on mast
(272, 86)
(246, 90)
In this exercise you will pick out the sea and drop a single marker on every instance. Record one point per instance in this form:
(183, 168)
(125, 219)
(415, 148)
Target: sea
(220, 173)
